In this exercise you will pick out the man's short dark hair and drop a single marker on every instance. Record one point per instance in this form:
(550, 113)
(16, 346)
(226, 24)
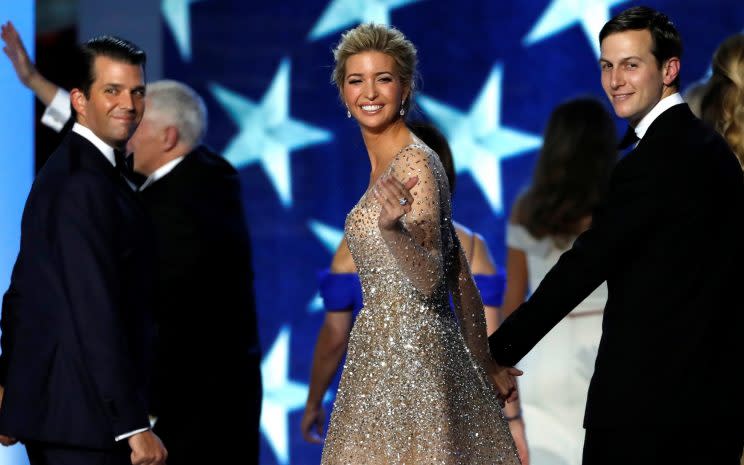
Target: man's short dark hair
(666, 40)
(109, 46)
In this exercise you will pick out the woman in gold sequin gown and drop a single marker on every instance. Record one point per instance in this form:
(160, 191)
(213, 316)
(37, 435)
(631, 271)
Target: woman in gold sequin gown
(417, 383)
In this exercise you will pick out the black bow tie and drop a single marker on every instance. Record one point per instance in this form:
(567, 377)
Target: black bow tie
(121, 161)
(125, 166)
(628, 139)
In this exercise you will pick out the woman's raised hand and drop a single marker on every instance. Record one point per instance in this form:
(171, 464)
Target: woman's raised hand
(395, 198)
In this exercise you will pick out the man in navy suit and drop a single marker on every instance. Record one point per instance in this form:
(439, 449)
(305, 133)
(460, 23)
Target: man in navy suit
(76, 324)
(203, 261)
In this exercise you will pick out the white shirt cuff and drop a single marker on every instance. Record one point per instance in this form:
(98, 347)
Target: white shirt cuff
(130, 434)
(58, 112)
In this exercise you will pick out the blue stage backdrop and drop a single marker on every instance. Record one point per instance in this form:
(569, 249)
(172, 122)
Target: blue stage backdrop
(16, 162)
(492, 71)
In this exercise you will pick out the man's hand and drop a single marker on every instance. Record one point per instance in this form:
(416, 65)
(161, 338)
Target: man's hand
(5, 440)
(15, 50)
(312, 424)
(147, 449)
(504, 380)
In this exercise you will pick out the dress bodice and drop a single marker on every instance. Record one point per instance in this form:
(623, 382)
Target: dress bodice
(380, 272)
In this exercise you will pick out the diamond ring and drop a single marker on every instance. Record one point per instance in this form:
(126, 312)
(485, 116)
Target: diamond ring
(402, 201)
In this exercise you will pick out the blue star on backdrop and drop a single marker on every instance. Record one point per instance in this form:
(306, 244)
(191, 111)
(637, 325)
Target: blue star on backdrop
(256, 57)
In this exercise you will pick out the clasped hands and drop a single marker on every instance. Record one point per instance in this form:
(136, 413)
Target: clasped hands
(504, 380)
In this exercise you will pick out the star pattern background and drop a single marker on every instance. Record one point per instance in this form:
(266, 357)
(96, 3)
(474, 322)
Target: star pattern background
(491, 74)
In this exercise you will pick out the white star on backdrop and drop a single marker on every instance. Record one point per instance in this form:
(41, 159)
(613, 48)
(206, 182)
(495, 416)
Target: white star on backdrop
(267, 133)
(177, 16)
(562, 14)
(330, 237)
(281, 396)
(479, 142)
(316, 304)
(343, 13)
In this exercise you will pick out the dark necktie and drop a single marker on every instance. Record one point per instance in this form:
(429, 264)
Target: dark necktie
(125, 166)
(628, 139)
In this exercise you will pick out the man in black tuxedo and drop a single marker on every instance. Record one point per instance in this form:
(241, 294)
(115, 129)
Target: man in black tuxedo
(76, 323)
(667, 386)
(207, 359)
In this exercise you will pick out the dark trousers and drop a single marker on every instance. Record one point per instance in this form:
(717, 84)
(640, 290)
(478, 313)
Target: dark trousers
(208, 440)
(52, 454)
(222, 428)
(705, 444)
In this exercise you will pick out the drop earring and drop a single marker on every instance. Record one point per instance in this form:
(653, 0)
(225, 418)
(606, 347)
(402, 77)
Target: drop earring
(402, 109)
(348, 112)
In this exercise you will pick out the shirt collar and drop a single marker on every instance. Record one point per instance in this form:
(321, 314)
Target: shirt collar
(162, 171)
(102, 146)
(663, 105)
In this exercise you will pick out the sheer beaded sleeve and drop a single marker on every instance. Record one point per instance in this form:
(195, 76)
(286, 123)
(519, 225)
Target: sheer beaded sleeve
(418, 245)
(467, 300)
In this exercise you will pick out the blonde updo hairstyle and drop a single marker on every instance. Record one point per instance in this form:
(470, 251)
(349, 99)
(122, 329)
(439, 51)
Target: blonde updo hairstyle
(377, 38)
(723, 104)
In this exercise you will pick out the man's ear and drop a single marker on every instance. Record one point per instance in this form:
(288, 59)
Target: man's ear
(171, 137)
(78, 100)
(671, 70)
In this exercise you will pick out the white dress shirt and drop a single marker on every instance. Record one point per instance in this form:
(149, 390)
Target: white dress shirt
(160, 172)
(663, 105)
(58, 112)
(102, 146)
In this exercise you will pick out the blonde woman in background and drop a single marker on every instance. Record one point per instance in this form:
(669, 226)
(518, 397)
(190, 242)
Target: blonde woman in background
(723, 103)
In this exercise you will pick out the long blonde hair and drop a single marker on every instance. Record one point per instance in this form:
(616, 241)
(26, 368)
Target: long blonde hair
(723, 103)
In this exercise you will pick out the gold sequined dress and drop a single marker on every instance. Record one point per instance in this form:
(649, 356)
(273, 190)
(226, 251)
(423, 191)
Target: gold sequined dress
(413, 390)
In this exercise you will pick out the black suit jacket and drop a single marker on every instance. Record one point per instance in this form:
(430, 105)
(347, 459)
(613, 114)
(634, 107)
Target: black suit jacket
(669, 242)
(207, 346)
(76, 323)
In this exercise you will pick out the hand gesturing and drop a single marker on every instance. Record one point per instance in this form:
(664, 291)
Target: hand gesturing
(15, 50)
(395, 198)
